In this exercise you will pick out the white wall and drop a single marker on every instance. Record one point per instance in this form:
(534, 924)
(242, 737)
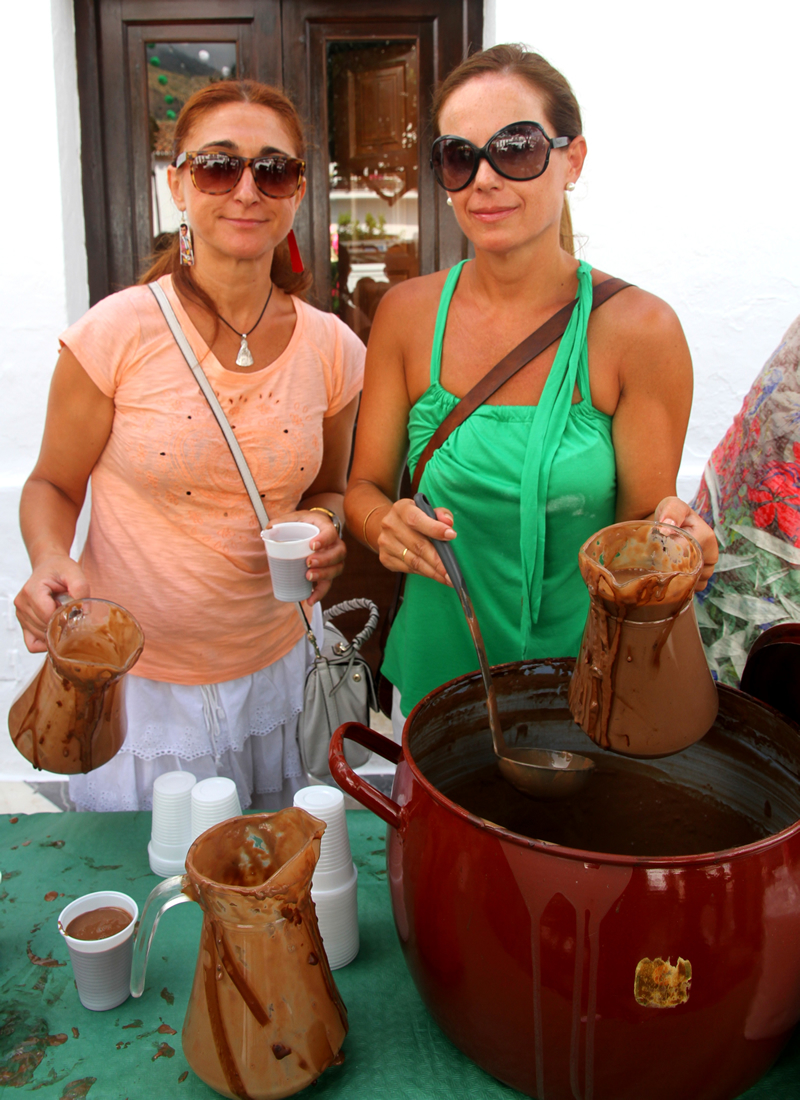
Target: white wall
(690, 188)
(42, 280)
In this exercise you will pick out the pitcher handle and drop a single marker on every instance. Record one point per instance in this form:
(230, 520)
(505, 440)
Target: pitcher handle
(352, 783)
(162, 897)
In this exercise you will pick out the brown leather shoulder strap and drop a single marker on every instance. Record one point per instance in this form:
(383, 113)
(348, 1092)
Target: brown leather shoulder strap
(522, 354)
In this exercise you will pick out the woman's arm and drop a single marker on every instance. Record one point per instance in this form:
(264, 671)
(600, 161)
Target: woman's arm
(650, 420)
(77, 427)
(375, 516)
(327, 491)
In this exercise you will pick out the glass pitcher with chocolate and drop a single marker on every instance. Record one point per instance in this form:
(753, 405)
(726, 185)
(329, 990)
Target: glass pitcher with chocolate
(68, 719)
(642, 686)
(265, 1017)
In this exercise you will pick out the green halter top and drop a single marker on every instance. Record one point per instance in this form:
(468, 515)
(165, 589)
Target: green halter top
(527, 485)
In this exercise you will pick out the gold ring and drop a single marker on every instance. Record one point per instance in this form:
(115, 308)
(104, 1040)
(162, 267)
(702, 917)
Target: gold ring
(404, 553)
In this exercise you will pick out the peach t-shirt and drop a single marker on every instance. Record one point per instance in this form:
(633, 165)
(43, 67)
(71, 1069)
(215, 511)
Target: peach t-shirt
(173, 535)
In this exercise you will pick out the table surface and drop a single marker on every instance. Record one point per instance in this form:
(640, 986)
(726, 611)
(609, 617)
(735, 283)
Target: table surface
(48, 1040)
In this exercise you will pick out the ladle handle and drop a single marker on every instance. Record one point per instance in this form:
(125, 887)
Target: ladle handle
(443, 548)
(162, 897)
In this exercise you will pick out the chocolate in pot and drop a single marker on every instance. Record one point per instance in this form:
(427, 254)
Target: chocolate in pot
(641, 939)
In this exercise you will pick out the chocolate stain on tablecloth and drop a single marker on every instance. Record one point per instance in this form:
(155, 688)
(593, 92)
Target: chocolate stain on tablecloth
(23, 1044)
(77, 1090)
(37, 960)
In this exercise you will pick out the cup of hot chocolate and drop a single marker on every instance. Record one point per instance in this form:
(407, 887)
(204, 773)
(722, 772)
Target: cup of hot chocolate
(98, 929)
(288, 546)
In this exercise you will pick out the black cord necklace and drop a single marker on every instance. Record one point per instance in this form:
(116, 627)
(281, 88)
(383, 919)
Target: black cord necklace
(245, 356)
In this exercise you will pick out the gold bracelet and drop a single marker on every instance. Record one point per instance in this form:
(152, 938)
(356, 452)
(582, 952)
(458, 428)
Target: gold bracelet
(337, 523)
(366, 521)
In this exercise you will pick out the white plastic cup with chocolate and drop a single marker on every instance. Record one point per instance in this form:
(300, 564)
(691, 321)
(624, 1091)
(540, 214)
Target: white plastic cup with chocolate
(288, 546)
(98, 929)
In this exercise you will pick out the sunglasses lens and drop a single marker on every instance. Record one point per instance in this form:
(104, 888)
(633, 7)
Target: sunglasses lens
(215, 173)
(277, 177)
(520, 151)
(453, 163)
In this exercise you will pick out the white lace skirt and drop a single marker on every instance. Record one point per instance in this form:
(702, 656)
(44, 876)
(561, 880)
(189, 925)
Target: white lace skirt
(244, 729)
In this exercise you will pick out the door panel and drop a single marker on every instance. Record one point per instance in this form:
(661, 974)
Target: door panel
(276, 42)
(114, 70)
(443, 32)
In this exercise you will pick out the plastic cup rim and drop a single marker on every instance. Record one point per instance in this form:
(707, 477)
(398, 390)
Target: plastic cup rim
(334, 891)
(172, 777)
(97, 947)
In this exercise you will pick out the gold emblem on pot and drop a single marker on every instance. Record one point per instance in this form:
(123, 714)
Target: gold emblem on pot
(659, 984)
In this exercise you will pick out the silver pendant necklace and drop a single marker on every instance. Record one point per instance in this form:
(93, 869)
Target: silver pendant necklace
(245, 356)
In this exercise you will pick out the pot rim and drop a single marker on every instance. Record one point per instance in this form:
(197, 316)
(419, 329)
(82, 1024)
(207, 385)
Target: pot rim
(702, 859)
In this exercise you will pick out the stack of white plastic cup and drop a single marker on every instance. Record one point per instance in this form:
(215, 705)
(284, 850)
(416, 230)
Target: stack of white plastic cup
(213, 800)
(171, 832)
(102, 968)
(334, 887)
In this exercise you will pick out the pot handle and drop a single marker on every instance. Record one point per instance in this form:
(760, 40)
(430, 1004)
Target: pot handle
(352, 783)
(162, 897)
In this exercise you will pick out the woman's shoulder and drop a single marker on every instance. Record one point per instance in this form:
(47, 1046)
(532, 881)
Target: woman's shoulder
(114, 321)
(633, 313)
(327, 333)
(406, 307)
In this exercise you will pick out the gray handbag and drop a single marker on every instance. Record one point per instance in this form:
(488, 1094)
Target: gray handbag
(339, 688)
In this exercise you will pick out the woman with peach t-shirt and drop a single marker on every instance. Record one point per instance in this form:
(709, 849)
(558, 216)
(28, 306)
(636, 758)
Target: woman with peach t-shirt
(173, 536)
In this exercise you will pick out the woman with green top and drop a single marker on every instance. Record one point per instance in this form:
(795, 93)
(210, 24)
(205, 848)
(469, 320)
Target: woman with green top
(588, 433)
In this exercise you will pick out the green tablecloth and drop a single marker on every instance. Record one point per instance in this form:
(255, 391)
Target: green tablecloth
(49, 1041)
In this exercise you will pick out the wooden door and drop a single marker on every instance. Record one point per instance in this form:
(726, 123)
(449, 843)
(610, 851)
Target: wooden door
(283, 42)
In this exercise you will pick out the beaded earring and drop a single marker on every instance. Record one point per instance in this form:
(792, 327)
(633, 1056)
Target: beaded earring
(185, 240)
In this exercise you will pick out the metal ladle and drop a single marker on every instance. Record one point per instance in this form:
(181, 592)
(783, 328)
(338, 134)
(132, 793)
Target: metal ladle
(538, 773)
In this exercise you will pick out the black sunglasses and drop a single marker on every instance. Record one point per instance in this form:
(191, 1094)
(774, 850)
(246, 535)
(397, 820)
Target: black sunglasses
(520, 151)
(276, 175)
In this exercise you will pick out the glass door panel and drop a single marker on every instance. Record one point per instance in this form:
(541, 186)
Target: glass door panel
(175, 71)
(373, 127)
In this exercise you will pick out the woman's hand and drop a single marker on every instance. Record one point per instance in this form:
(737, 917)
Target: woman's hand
(37, 599)
(404, 544)
(328, 551)
(673, 510)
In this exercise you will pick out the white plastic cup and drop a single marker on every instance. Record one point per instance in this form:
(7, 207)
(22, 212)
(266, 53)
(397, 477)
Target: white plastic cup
(171, 831)
(334, 887)
(335, 863)
(213, 800)
(288, 546)
(337, 917)
(102, 968)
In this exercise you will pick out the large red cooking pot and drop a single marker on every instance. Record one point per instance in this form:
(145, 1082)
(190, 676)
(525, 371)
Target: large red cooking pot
(576, 973)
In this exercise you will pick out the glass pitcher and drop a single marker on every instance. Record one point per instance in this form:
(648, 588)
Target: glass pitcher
(642, 686)
(265, 1017)
(68, 719)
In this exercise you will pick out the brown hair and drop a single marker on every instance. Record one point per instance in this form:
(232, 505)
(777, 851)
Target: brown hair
(166, 258)
(561, 106)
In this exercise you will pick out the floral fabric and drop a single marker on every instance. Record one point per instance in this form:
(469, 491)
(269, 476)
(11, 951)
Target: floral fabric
(750, 494)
